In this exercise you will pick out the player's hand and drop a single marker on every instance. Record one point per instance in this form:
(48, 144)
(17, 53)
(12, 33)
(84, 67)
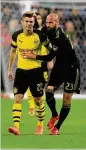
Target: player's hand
(10, 75)
(28, 54)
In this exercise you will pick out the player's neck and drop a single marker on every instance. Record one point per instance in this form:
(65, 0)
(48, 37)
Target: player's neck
(28, 32)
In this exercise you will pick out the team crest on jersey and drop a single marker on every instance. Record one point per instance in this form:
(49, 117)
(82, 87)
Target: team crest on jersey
(55, 48)
(36, 41)
(15, 90)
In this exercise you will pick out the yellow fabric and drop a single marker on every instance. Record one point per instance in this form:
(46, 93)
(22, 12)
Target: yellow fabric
(40, 110)
(45, 74)
(31, 103)
(40, 123)
(31, 99)
(14, 43)
(44, 96)
(16, 112)
(28, 43)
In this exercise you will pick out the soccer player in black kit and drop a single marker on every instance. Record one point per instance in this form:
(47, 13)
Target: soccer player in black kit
(66, 70)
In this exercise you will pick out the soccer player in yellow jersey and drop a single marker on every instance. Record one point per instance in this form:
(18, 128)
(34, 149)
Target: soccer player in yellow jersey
(29, 72)
(31, 102)
(45, 65)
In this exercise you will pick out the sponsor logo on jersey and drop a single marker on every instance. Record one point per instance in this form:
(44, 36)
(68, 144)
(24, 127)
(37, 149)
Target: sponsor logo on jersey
(36, 41)
(55, 48)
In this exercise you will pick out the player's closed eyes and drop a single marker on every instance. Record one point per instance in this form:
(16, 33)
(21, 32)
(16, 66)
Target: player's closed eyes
(29, 21)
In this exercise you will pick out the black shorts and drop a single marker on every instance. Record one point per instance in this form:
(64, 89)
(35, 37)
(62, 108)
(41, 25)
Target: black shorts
(29, 78)
(45, 71)
(69, 76)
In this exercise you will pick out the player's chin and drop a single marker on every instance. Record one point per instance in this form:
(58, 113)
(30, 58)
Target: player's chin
(48, 29)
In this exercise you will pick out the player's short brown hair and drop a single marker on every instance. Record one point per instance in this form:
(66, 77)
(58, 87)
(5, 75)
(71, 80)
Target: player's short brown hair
(27, 15)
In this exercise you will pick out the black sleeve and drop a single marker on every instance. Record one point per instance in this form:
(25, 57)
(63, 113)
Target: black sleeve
(45, 41)
(36, 26)
(74, 59)
(14, 37)
(15, 34)
(14, 40)
(48, 57)
(44, 30)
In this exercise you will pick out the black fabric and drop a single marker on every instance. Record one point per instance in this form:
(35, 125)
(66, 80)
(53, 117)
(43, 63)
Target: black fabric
(63, 115)
(51, 103)
(66, 64)
(48, 57)
(36, 25)
(65, 54)
(29, 78)
(44, 66)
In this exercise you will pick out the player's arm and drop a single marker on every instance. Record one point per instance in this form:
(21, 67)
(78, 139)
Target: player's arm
(11, 61)
(73, 59)
(48, 57)
(50, 64)
(44, 40)
(12, 57)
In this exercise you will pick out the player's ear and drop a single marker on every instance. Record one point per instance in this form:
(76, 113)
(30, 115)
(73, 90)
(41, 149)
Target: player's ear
(57, 23)
(21, 20)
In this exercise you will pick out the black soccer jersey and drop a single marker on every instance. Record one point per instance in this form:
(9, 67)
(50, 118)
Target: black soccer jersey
(62, 49)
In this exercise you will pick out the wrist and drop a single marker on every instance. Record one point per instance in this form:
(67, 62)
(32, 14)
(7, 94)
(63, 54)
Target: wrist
(36, 57)
(9, 69)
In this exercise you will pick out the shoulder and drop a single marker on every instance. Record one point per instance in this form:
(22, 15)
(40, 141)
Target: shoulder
(41, 35)
(63, 34)
(15, 34)
(37, 31)
(61, 31)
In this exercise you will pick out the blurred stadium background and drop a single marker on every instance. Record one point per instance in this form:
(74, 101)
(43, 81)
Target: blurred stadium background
(72, 16)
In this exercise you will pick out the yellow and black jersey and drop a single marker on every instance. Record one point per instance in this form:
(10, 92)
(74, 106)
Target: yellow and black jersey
(32, 42)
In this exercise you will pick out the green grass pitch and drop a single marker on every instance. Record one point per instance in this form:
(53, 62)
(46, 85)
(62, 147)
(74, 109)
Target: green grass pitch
(72, 133)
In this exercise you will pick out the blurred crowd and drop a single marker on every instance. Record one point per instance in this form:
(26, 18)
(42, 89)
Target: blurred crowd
(73, 21)
(10, 14)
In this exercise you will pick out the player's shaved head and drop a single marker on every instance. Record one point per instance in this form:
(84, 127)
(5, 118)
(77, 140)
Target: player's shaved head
(53, 17)
(52, 21)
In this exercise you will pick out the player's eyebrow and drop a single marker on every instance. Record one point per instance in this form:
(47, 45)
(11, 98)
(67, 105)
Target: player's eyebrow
(29, 21)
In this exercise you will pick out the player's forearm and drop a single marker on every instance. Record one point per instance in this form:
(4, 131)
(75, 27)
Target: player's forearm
(50, 64)
(11, 59)
(48, 45)
(45, 41)
(48, 57)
